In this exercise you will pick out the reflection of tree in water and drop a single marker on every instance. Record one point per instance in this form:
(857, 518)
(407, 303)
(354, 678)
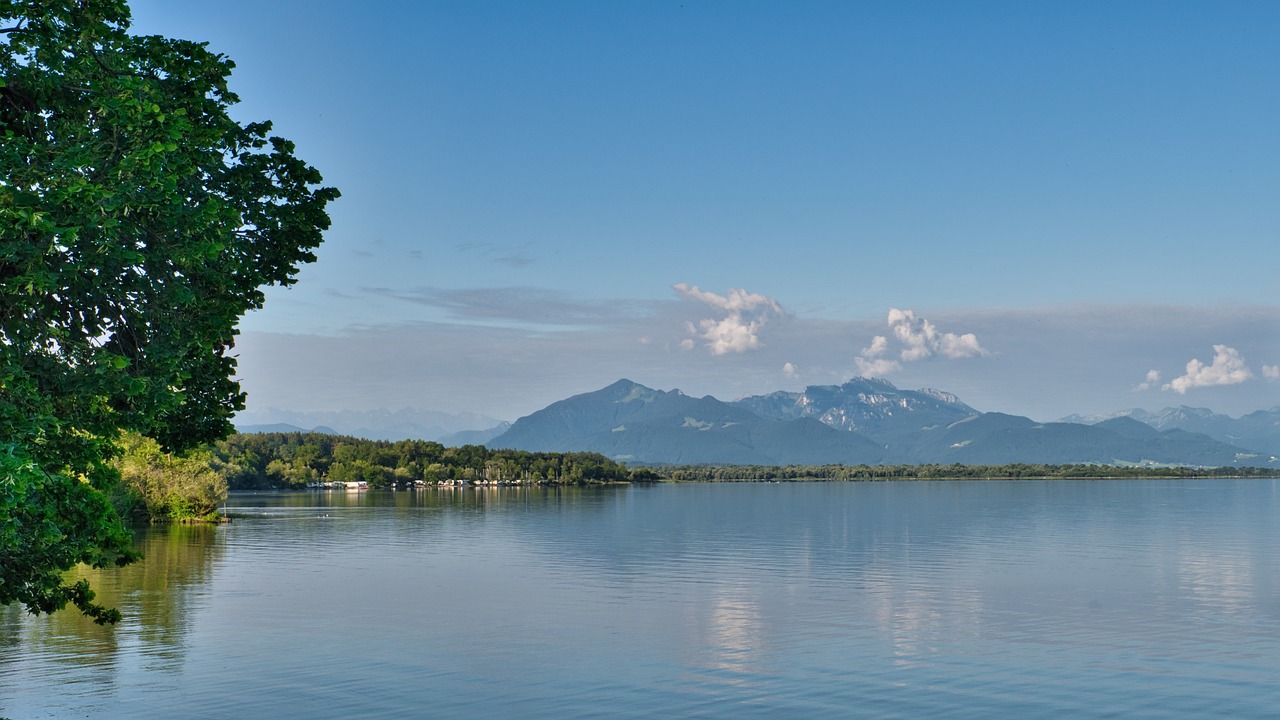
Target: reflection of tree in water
(157, 596)
(411, 502)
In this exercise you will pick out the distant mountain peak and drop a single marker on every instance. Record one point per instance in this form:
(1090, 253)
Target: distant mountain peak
(868, 420)
(632, 392)
(376, 424)
(942, 395)
(1258, 430)
(871, 406)
(860, 380)
(629, 421)
(1188, 412)
(1135, 413)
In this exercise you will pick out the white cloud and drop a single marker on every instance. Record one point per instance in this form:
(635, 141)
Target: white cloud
(1228, 368)
(731, 334)
(1271, 372)
(517, 306)
(917, 339)
(1053, 361)
(877, 367)
(879, 345)
(960, 346)
(789, 370)
(1153, 379)
(921, 339)
(739, 330)
(736, 301)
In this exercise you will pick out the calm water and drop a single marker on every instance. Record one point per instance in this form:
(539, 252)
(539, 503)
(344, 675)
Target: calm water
(944, 599)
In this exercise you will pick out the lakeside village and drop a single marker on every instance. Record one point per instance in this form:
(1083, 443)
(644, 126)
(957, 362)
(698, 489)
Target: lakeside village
(355, 485)
(284, 461)
(159, 487)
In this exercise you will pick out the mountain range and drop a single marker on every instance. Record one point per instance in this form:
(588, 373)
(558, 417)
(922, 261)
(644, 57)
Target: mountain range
(381, 424)
(631, 422)
(870, 421)
(1259, 430)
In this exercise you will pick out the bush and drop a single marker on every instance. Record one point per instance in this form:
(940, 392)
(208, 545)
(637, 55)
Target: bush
(160, 486)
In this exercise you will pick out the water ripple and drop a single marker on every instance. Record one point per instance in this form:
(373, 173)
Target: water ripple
(950, 600)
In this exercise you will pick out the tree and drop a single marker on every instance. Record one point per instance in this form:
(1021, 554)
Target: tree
(47, 524)
(138, 222)
(156, 485)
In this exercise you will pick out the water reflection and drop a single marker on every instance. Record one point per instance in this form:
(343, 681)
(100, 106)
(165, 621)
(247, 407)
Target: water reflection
(728, 640)
(159, 597)
(887, 599)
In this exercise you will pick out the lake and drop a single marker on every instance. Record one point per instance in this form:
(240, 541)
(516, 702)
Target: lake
(988, 599)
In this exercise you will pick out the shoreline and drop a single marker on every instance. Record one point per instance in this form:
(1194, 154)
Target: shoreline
(1270, 475)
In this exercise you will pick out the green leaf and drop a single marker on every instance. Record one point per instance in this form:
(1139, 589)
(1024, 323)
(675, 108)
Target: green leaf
(130, 201)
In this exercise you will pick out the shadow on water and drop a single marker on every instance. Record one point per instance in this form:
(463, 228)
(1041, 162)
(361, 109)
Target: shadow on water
(157, 596)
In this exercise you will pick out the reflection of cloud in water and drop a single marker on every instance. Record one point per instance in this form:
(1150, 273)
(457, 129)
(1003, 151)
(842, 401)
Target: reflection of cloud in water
(734, 634)
(727, 640)
(1215, 578)
(918, 620)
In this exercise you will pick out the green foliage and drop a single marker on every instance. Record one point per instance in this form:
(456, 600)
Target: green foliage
(48, 524)
(138, 222)
(291, 460)
(157, 485)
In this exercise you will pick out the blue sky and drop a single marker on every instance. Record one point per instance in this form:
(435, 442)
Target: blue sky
(1045, 208)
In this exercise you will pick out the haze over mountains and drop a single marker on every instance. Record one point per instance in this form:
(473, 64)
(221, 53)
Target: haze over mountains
(380, 424)
(1259, 430)
(871, 421)
(865, 420)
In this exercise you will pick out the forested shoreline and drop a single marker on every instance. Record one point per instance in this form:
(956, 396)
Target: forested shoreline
(294, 460)
(285, 461)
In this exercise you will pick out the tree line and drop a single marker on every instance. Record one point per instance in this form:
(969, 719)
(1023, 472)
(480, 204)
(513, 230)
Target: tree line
(294, 460)
(1016, 471)
(159, 486)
